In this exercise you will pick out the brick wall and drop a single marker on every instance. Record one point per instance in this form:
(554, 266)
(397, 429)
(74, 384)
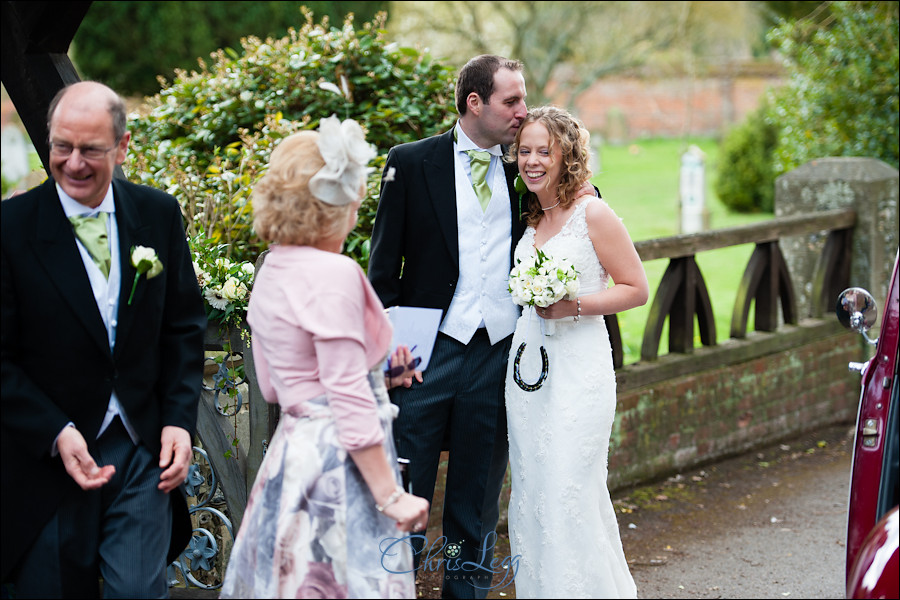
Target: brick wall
(623, 109)
(684, 422)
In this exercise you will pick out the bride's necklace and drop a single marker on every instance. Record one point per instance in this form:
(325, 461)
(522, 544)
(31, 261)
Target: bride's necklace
(558, 200)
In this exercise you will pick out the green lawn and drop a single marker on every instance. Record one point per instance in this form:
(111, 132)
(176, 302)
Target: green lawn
(640, 182)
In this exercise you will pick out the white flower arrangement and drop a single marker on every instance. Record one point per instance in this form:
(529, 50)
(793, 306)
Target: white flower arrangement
(541, 280)
(225, 284)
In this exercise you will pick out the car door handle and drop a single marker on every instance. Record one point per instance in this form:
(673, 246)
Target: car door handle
(870, 432)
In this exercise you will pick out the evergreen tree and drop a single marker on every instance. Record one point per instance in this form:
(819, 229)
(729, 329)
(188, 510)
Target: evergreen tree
(128, 45)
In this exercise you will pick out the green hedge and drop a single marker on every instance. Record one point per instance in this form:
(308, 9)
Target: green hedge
(128, 45)
(207, 137)
(842, 98)
(745, 179)
(843, 93)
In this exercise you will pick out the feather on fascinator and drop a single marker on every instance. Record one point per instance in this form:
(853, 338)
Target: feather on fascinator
(346, 154)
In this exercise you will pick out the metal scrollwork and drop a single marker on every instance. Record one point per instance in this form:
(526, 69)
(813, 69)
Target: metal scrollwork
(226, 380)
(545, 370)
(201, 564)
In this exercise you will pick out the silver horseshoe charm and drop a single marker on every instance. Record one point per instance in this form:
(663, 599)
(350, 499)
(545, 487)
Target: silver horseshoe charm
(545, 370)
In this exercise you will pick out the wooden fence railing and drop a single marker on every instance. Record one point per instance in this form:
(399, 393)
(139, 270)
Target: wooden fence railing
(682, 292)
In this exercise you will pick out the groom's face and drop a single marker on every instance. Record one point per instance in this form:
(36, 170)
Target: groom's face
(500, 118)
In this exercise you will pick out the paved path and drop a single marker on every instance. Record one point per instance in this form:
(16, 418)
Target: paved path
(770, 524)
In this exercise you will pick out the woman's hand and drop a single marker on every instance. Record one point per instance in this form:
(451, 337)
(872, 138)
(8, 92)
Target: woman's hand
(559, 309)
(410, 512)
(402, 357)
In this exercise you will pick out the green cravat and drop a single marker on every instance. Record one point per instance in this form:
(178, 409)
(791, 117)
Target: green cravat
(92, 233)
(479, 161)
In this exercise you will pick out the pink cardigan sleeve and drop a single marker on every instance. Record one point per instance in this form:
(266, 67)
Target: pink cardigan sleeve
(263, 377)
(336, 317)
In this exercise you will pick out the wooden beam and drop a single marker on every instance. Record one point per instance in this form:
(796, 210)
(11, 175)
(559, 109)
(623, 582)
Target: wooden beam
(765, 231)
(35, 63)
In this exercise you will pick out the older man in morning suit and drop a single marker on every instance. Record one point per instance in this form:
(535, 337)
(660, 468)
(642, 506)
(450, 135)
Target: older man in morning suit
(437, 244)
(101, 369)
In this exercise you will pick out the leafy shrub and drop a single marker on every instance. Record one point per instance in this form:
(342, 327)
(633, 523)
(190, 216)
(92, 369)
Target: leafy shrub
(843, 95)
(842, 99)
(164, 36)
(207, 137)
(745, 181)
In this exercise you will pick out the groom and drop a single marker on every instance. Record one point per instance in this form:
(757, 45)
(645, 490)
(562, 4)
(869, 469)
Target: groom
(101, 369)
(443, 238)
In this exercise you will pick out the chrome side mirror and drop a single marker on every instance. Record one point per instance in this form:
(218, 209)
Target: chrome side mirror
(857, 310)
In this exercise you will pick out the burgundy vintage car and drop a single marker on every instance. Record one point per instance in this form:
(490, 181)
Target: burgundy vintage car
(873, 530)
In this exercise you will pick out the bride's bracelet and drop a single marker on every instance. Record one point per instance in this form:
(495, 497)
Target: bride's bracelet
(578, 313)
(392, 499)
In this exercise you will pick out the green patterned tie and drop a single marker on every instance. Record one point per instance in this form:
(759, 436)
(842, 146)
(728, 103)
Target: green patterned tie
(479, 161)
(92, 233)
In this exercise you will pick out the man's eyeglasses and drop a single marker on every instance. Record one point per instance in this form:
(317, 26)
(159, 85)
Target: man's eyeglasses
(64, 150)
(399, 369)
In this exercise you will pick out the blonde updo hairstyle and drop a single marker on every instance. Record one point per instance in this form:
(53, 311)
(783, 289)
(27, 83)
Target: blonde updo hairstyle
(284, 209)
(574, 140)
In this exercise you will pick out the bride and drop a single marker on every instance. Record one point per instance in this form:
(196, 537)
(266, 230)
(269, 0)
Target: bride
(561, 388)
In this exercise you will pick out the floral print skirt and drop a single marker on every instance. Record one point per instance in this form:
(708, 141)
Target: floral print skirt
(310, 529)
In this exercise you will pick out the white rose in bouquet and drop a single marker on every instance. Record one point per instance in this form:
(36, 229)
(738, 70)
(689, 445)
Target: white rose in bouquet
(234, 289)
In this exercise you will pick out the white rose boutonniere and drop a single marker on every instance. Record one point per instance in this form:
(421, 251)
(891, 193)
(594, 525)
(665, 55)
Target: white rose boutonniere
(145, 261)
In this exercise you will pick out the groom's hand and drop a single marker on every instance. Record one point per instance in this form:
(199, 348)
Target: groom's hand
(587, 190)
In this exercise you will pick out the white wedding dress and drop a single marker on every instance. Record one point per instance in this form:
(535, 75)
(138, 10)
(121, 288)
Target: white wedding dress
(562, 522)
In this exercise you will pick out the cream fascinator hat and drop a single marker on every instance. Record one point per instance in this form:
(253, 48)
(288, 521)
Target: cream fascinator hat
(346, 154)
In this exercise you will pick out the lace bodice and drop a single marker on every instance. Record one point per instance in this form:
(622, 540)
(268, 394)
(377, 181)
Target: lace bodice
(573, 243)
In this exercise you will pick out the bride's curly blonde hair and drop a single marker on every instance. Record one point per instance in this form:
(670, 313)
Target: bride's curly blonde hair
(573, 140)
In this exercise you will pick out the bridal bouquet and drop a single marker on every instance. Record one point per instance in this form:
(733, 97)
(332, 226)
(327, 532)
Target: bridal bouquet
(541, 280)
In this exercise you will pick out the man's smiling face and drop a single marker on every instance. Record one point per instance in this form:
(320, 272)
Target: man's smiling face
(82, 121)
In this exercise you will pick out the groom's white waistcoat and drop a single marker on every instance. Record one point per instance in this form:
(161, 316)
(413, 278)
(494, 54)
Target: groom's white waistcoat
(482, 294)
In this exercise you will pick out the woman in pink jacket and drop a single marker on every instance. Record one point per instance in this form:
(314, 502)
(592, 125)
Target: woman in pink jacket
(327, 517)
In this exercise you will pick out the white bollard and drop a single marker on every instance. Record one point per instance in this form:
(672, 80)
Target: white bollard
(692, 190)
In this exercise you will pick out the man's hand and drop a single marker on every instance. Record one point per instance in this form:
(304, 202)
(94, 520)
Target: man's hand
(79, 463)
(174, 457)
(587, 190)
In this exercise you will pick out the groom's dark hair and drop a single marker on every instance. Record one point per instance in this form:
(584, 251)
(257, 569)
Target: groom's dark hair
(478, 76)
